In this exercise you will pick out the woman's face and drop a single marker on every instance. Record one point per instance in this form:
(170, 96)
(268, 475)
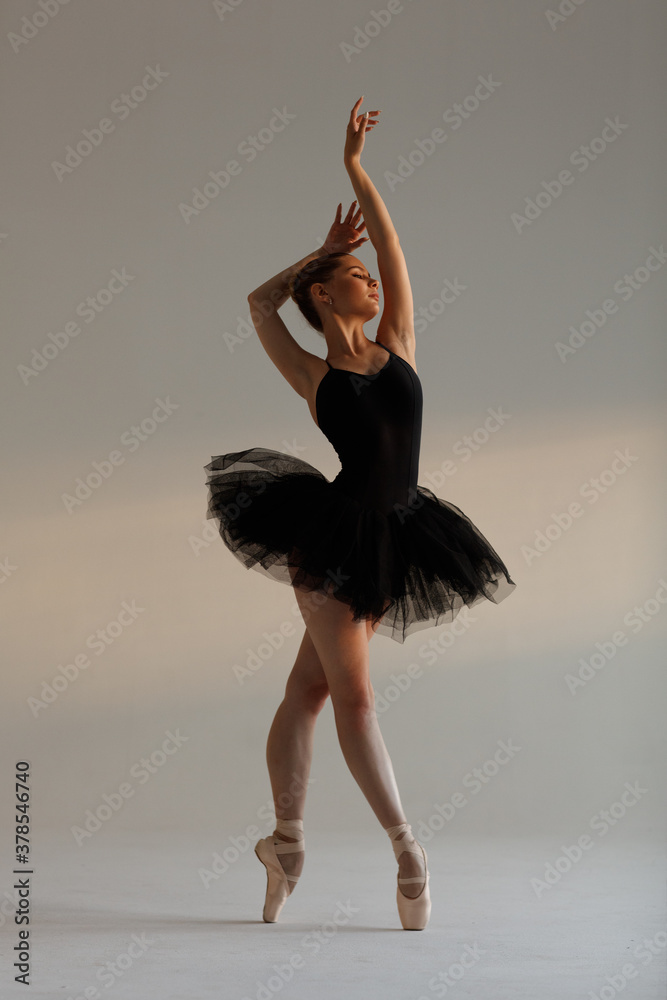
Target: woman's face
(354, 290)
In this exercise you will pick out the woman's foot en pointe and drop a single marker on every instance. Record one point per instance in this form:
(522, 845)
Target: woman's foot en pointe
(287, 842)
(414, 904)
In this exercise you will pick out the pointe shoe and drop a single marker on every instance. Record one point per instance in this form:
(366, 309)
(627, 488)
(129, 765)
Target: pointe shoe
(277, 881)
(414, 912)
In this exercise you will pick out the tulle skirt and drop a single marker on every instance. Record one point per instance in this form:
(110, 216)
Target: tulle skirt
(413, 568)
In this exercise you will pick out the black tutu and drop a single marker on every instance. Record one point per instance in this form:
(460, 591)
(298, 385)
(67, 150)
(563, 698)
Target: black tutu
(412, 568)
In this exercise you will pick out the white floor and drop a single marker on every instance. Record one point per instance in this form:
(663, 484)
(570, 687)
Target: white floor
(490, 935)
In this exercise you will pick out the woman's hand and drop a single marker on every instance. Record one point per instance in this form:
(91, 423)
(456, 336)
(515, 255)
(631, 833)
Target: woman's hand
(343, 237)
(357, 127)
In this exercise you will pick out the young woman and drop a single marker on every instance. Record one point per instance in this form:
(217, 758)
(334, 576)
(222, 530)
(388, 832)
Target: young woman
(370, 551)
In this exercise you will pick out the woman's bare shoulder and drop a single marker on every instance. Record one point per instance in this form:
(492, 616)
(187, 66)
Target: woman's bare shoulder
(313, 367)
(404, 347)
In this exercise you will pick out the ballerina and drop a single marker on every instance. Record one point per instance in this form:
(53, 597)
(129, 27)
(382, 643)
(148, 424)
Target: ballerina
(372, 550)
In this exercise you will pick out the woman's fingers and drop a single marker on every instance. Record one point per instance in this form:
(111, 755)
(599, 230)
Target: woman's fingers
(355, 117)
(369, 118)
(352, 112)
(370, 121)
(353, 216)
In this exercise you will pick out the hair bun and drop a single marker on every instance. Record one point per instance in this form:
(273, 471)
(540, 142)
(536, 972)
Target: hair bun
(294, 282)
(318, 269)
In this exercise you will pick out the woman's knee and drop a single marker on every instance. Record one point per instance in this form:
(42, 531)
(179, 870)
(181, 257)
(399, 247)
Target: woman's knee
(341, 648)
(354, 704)
(311, 693)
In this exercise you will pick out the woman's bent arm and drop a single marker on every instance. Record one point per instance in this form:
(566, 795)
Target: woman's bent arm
(291, 360)
(272, 294)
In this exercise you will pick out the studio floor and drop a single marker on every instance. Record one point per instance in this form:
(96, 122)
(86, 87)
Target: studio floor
(163, 915)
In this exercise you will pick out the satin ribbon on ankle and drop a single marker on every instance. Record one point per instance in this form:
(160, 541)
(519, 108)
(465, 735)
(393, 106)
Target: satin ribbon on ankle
(291, 828)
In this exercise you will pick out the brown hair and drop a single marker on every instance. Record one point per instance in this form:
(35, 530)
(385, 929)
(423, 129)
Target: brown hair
(319, 269)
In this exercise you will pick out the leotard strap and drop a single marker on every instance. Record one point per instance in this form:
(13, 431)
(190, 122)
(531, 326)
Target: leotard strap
(355, 373)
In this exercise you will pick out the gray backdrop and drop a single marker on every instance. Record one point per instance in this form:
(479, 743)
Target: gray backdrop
(521, 155)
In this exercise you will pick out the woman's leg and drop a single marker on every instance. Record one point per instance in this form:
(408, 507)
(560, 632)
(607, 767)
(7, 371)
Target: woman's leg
(342, 647)
(289, 747)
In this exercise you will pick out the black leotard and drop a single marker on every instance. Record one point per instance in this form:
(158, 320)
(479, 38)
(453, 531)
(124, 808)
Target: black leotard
(374, 423)
(372, 538)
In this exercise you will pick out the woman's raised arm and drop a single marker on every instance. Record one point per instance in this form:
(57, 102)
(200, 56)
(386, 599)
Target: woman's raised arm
(397, 318)
(379, 226)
